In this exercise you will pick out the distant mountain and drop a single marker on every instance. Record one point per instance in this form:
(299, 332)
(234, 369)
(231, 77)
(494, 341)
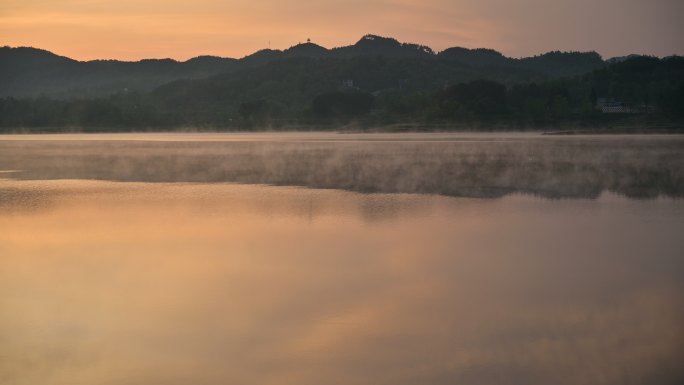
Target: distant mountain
(553, 64)
(28, 71)
(557, 63)
(307, 49)
(31, 72)
(285, 87)
(372, 45)
(368, 45)
(261, 57)
(620, 59)
(300, 88)
(476, 57)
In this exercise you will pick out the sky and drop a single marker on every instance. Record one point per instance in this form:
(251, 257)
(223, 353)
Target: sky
(181, 29)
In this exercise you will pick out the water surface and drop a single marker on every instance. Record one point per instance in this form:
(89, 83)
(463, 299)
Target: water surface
(155, 261)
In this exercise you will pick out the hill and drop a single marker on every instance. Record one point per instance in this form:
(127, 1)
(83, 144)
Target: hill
(31, 72)
(329, 92)
(26, 72)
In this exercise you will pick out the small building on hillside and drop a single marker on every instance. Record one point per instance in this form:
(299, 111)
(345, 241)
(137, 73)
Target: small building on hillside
(346, 84)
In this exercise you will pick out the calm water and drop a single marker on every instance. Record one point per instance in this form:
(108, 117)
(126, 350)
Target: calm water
(341, 259)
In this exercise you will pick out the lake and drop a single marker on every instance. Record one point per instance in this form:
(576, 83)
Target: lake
(321, 258)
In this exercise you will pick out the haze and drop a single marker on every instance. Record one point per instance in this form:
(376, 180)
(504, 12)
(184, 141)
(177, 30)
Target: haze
(131, 30)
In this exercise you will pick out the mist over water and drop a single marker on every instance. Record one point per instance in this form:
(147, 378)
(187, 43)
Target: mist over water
(350, 259)
(472, 165)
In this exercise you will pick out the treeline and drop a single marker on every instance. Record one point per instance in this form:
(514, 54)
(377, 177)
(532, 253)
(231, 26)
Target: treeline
(645, 85)
(302, 92)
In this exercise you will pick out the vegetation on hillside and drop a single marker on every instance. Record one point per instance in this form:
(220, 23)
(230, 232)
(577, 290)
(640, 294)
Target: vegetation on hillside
(309, 85)
(30, 72)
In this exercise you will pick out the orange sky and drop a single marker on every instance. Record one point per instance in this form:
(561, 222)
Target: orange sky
(180, 29)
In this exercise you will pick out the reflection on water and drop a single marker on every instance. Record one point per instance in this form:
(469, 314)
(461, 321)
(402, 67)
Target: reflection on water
(466, 165)
(183, 283)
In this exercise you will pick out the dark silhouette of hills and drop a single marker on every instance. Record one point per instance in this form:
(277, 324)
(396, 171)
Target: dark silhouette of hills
(261, 57)
(31, 72)
(375, 82)
(307, 49)
(26, 72)
(475, 57)
(370, 45)
(553, 64)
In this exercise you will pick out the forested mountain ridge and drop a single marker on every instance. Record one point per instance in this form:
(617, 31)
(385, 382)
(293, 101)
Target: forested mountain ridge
(375, 82)
(26, 72)
(307, 91)
(32, 72)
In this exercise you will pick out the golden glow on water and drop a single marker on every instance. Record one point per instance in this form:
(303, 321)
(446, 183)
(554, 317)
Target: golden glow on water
(141, 283)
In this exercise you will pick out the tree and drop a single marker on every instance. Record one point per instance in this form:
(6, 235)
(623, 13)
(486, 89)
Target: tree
(342, 104)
